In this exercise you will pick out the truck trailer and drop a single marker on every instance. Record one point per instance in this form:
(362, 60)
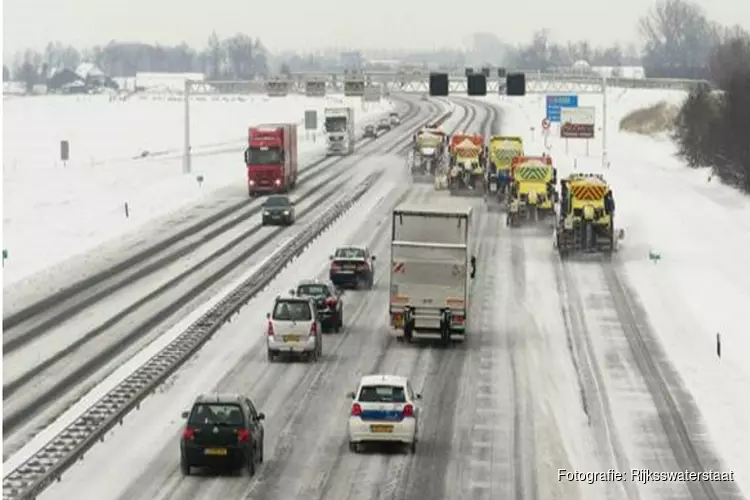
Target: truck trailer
(271, 159)
(431, 269)
(339, 129)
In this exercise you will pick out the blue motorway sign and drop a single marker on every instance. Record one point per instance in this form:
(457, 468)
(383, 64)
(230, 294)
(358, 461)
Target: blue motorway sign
(555, 102)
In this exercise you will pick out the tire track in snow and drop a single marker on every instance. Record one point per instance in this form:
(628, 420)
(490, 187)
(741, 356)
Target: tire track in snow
(678, 413)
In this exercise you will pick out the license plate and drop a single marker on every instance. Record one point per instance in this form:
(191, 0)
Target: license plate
(291, 338)
(217, 452)
(381, 428)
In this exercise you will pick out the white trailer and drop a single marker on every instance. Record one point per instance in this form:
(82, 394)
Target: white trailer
(339, 129)
(431, 268)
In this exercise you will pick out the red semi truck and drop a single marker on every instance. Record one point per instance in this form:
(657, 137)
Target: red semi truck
(271, 158)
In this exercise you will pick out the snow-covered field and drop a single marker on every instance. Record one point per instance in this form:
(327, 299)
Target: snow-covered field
(701, 230)
(53, 211)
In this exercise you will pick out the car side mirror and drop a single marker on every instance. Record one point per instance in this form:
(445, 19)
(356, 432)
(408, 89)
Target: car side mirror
(291, 291)
(268, 315)
(261, 416)
(621, 234)
(339, 292)
(419, 396)
(185, 414)
(330, 257)
(372, 258)
(350, 395)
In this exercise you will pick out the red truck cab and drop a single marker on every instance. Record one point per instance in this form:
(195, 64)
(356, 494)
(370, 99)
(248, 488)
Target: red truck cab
(271, 159)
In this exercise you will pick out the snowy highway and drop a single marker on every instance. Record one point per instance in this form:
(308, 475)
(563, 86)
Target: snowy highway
(65, 346)
(561, 370)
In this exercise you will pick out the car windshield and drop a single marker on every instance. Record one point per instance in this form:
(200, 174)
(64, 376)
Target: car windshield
(276, 201)
(216, 414)
(382, 394)
(350, 253)
(292, 310)
(312, 290)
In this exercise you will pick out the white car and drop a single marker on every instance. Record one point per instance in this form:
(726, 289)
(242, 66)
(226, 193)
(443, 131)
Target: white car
(384, 409)
(294, 328)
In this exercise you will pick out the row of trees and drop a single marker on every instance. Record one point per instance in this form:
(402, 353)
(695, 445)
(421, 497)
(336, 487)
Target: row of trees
(235, 57)
(713, 127)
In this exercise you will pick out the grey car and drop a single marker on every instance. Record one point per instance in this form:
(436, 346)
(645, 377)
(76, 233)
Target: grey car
(278, 210)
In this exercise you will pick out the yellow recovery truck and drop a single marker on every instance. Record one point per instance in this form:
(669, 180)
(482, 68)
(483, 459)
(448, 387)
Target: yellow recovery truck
(532, 190)
(586, 221)
(466, 177)
(503, 149)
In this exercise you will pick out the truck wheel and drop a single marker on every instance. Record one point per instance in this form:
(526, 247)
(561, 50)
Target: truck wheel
(272, 356)
(339, 322)
(250, 464)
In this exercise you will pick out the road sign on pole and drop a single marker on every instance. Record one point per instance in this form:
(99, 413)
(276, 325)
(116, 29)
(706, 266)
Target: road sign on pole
(546, 123)
(311, 119)
(556, 102)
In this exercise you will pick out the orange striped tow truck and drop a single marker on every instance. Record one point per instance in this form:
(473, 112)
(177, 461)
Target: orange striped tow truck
(431, 267)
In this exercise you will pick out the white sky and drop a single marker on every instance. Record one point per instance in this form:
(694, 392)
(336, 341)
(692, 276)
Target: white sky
(294, 24)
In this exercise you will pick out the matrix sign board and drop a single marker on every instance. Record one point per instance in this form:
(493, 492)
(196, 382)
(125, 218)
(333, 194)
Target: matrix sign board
(577, 123)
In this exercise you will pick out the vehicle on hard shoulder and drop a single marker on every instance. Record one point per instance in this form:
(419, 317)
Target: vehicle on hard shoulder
(384, 124)
(271, 159)
(293, 328)
(352, 266)
(222, 431)
(278, 210)
(328, 300)
(385, 409)
(395, 119)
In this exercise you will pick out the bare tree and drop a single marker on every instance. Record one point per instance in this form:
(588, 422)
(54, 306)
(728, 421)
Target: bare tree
(6, 73)
(678, 39)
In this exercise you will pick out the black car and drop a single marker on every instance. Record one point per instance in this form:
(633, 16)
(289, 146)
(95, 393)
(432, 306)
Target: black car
(328, 301)
(223, 431)
(369, 132)
(278, 209)
(352, 266)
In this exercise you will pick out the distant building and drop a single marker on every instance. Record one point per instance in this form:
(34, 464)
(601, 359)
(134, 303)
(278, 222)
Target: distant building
(92, 75)
(66, 81)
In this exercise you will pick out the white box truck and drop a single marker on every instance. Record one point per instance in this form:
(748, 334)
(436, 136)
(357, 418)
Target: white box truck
(431, 269)
(339, 128)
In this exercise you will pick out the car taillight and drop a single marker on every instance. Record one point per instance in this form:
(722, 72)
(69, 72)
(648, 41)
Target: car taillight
(335, 267)
(188, 434)
(362, 267)
(330, 302)
(356, 410)
(243, 435)
(270, 328)
(458, 319)
(408, 411)
(314, 328)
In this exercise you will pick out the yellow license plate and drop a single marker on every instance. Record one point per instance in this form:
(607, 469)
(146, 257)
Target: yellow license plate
(381, 428)
(291, 338)
(220, 452)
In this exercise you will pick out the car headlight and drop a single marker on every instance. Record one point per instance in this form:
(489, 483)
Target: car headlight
(278, 182)
(266, 213)
(286, 212)
(252, 183)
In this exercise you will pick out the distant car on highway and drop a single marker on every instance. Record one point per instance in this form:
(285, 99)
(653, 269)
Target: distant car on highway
(369, 132)
(222, 430)
(352, 266)
(294, 328)
(384, 124)
(328, 300)
(384, 409)
(278, 209)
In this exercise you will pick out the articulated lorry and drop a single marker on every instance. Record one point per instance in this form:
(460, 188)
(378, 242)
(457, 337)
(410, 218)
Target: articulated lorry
(339, 129)
(271, 159)
(431, 268)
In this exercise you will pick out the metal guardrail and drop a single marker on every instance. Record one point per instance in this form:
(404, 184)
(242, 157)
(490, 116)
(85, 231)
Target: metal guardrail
(47, 465)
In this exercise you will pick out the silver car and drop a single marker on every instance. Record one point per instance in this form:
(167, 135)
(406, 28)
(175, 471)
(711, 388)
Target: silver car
(294, 328)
